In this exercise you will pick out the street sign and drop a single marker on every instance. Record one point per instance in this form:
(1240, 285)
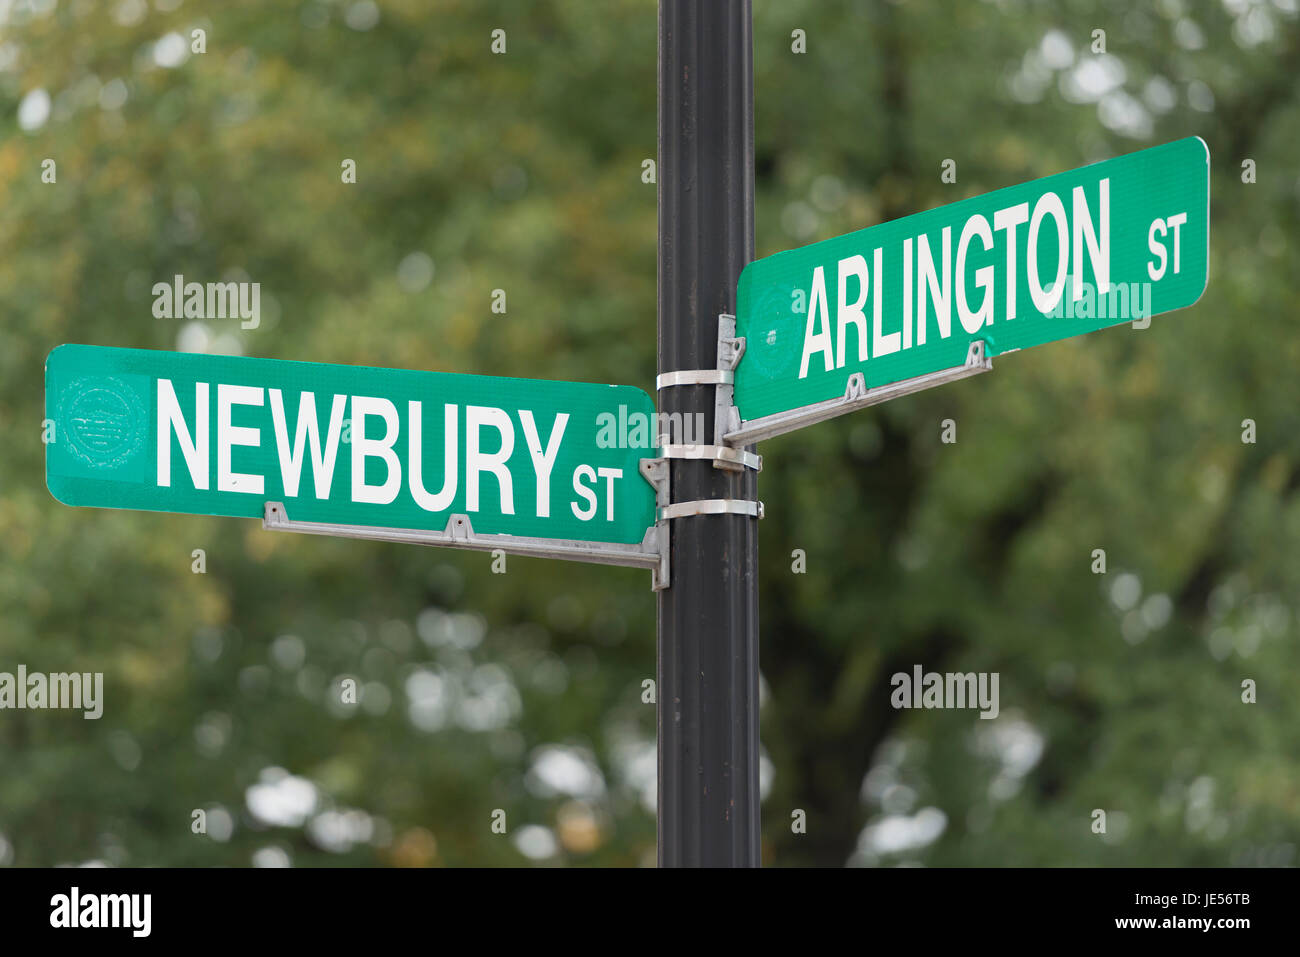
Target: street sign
(933, 296)
(351, 450)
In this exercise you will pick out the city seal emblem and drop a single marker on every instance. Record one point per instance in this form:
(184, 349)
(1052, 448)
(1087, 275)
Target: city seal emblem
(104, 421)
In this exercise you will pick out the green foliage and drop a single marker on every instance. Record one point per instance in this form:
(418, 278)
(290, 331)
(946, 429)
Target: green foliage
(522, 171)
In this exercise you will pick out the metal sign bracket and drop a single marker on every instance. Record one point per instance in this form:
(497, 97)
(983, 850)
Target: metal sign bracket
(723, 378)
(651, 552)
(656, 472)
(856, 396)
(731, 349)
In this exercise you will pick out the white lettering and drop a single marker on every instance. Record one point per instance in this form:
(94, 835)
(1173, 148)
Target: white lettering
(543, 462)
(306, 435)
(977, 225)
(195, 450)
(821, 340)
(415, 468)
(1009, 219)
(1049, 204)
(229, 435)
(364, 447)
(1098, 250)
(478, 462)
(846, 313)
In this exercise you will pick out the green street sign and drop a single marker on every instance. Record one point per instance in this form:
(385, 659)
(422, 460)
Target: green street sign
(350, 450)
(933, 296)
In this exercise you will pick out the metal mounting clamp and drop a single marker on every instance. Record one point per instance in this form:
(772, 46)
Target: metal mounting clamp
(712, 506)
(657, 473)
(730, 347)
(722, 456)
(723, 379)
(726, 417)
(694, 377)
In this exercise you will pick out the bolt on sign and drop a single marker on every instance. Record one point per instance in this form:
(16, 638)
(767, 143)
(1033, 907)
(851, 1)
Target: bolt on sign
(1113, 242)
(352, 445)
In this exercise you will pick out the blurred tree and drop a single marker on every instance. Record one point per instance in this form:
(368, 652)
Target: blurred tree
(523, 692)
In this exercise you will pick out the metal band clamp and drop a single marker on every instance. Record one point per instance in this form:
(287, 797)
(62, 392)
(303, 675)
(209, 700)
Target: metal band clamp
(695, 377)
(722, 456)
(712, 506)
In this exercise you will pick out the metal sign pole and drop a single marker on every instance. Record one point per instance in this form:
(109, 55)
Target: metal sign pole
(708, 617)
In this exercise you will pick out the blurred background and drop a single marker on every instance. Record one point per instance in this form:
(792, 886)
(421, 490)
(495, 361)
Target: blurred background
(523, 171)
